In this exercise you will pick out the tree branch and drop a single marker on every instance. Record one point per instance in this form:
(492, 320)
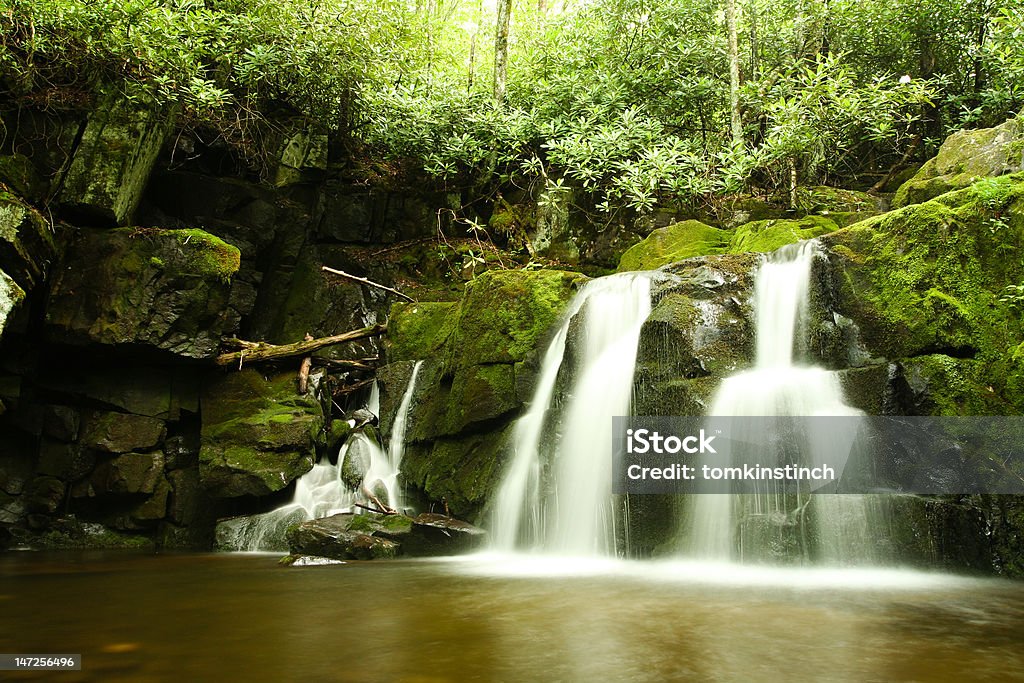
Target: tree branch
(262, 351)
(364, 281)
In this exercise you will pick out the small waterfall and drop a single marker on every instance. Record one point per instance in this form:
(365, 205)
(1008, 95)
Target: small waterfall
(572, 515)
(396, 444)
(775, 386)
(330, 489)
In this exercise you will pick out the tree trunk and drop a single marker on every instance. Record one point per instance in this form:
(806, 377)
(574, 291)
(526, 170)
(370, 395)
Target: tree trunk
(501, 50)
(258, 351)
(734, 75)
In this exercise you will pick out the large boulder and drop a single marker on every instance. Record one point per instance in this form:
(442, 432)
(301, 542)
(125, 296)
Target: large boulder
(674, 243)
(112, 162)
(965, 157)
(483, 354)
(932, 283)
(167, 289)
(769, 235)
(258, 435)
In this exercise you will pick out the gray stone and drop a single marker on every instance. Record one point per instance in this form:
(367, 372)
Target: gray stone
(113, 160)
(120, 432)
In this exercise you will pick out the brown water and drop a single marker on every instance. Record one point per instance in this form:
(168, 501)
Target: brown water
(242, 617)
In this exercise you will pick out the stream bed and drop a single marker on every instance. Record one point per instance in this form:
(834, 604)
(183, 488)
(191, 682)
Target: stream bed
(220, 617)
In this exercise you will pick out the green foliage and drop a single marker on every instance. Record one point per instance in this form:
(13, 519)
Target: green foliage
(624, 101)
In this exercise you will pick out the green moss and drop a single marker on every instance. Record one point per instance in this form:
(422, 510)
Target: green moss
(419, 330)
(927, 279)
(674, 243)
(504, 314)
(766, 236)
(208, 255)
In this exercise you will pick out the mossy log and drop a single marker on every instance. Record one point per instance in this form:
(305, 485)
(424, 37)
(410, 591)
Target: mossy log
(261, 351)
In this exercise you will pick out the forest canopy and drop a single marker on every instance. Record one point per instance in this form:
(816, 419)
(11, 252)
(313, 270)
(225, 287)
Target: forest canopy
(629, 101)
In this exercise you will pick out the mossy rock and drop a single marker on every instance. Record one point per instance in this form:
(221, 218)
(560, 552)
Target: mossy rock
(27, 243)
(258, 435)
(930, 279)
(504, 314)
(964, 158)
(674, 243)
(821, 199)
(419, 330)
(167, 289)
(112, 162)
(767, 236)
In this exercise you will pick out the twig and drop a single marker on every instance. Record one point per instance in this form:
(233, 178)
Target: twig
(364, 281)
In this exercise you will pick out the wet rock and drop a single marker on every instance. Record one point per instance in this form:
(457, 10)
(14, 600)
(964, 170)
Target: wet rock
(378, 215)
(366, 537)
(964, 158)
(332, 537)
(258, 435)
(166, 289)
(112, 162)
(120, 432)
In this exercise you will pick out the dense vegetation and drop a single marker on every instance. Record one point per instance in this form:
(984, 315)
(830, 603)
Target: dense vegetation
(628, 100)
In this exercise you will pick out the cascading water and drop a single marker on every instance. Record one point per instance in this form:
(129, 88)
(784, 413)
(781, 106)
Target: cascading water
(777, 386)
(575, 517)
(322, 491)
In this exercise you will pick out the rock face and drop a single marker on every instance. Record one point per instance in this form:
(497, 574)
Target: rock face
(375, 537)
(258, 435)
(964, 158)
(482, 356)
(931, 280)
(167, 289)
(112, 163)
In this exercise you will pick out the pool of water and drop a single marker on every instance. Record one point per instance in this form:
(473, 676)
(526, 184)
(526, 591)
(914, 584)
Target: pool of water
(227, 617)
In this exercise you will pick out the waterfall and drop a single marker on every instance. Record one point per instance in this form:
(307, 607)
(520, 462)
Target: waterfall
(572, 514)
(323, 490)
(776, 386)
(396, 444)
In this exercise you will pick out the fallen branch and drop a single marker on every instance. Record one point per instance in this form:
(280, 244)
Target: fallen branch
(344, 391)
(357, 364)
(379, 512)
(262, 351)
(364, 281)
(877, 187)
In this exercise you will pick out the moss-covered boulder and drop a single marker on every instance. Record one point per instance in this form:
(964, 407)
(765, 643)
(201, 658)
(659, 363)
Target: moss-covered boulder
(167, 289)
(112, 162)
(674, 243)
(965, 157)
(258, 434)
(419, 330)
(931, 280)
(112, 432)
(504, 314)
(27, 243)
(767, 236)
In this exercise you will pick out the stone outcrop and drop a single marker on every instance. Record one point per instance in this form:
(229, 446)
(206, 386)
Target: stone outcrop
(165, 289)
(964, 158)
(258, 435)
